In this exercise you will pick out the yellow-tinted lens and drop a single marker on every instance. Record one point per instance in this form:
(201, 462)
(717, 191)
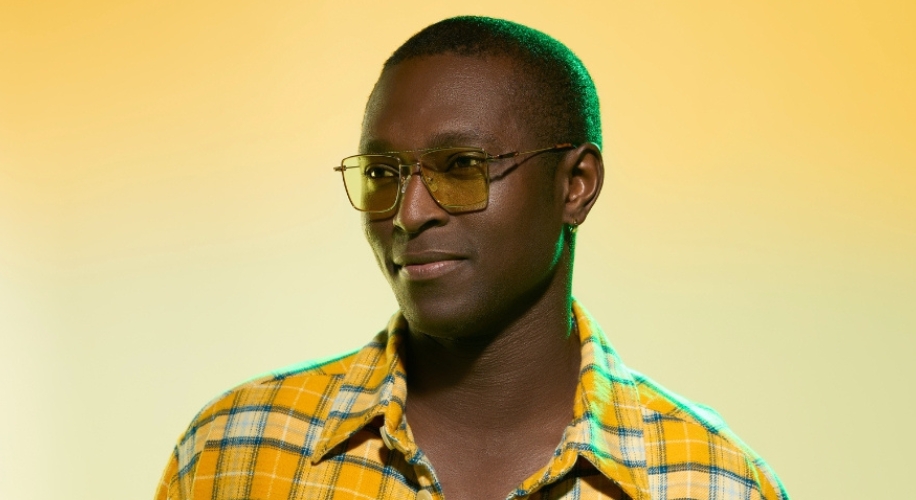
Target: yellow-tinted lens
(371, 182)
(457, 178)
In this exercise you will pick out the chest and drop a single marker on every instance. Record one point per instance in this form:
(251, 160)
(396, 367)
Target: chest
(364, 467)
(497, 483)
(461, 471)
(481, 469)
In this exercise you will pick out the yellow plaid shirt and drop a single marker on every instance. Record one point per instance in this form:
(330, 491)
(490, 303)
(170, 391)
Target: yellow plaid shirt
(336, 430)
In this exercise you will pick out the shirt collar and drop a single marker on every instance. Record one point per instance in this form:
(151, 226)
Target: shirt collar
(607, 425)
(374, 386)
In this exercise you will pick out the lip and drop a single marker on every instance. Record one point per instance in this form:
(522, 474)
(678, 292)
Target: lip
(426, 265)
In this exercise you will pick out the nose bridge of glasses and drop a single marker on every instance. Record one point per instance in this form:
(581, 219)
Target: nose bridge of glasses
(406, 171)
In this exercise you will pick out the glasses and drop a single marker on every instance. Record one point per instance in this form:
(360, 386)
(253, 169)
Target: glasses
(457, 178)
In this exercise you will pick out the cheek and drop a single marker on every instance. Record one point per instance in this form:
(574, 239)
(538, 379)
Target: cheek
(529, 234)
(375, 233)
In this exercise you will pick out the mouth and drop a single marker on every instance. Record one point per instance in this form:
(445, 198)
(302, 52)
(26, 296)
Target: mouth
(427, 265)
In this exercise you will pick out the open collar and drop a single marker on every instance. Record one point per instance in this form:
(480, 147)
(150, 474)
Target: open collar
(374, 386)
(607, 426)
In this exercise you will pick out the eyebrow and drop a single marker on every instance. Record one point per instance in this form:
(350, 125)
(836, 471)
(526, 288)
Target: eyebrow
(450, 138)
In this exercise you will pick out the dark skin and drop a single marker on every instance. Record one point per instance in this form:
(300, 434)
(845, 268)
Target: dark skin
(492, 358)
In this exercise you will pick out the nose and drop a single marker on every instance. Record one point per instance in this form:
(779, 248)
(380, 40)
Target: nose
(417, 210)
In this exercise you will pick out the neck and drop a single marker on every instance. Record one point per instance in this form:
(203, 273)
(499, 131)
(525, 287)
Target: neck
(495, 382)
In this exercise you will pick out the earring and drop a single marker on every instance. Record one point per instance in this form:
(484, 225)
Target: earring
(574, 226)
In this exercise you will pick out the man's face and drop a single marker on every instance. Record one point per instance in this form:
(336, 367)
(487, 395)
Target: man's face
(460, 275)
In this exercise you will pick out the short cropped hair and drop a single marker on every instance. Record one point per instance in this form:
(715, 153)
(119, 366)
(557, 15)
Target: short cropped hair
(559, 95)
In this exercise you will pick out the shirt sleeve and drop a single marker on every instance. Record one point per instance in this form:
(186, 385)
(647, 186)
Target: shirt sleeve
(168, 484)
(771, 487)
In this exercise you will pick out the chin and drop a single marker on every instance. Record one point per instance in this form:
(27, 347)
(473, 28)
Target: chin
(443, 318)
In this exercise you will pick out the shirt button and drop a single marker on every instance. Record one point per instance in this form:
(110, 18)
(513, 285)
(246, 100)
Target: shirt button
(386, 439)
(424, 495)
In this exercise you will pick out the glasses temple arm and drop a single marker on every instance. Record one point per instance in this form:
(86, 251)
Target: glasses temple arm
(558, 147)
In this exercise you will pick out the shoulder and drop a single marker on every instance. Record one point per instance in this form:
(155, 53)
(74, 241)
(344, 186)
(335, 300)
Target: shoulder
(685, 440)
(298, 388)
(276, 418)
(659, 402)
(293, 400)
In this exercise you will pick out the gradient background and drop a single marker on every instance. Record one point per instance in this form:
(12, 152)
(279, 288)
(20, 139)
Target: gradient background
(170, 225)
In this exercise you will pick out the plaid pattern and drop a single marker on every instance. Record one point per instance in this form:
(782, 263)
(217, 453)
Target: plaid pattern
(336, 430)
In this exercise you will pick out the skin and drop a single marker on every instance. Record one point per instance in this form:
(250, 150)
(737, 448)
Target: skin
(492, 359)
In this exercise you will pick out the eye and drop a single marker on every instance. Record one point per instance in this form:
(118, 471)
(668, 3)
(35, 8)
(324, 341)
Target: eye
(462, 161)
(380, 171)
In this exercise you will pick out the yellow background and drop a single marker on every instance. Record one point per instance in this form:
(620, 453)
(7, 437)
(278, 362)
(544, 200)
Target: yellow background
(170, 224)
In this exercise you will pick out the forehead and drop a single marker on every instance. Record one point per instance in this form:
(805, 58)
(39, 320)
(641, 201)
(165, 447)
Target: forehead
(445, 100)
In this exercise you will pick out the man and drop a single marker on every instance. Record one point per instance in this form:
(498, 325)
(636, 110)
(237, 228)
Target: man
(479, 158)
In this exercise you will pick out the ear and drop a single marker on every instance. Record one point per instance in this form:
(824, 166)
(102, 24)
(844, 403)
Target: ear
(584, 175)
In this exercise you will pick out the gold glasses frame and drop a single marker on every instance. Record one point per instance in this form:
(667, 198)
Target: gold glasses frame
(455, 193)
